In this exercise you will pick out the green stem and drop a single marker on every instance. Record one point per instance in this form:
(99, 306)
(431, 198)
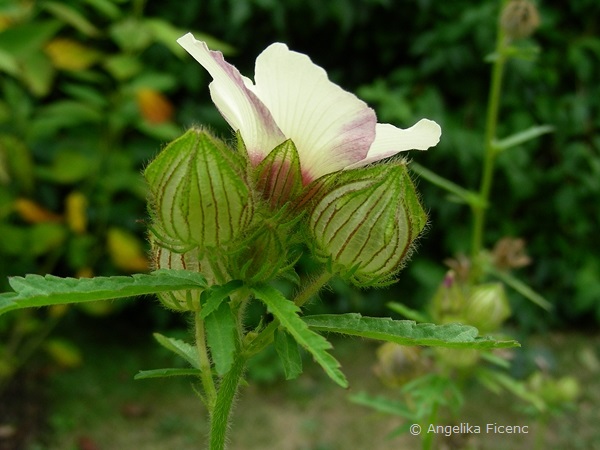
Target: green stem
(206, 378)
(312, 288)
(265, 337)
(219, 419)
(479, 210)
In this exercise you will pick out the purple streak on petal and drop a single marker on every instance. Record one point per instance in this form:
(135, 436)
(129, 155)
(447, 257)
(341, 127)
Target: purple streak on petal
(353, 143)
(240, 107)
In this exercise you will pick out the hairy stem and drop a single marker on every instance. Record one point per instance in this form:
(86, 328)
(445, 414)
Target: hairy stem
(219, 419)
(479, 210)
(206, 378)
(312, 288)
(265, 337)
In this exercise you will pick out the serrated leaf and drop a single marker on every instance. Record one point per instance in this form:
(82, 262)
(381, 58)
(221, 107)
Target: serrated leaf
(405, 332)
(162, 373)
(289, 354)
(220, 336)
(37, 290)
(213, 297)
(287, 313)
(180, 348)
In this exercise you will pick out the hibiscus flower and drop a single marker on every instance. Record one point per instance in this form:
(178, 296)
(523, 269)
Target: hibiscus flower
(292, 98)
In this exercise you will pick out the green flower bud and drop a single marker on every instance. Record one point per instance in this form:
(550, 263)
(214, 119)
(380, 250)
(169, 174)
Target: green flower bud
(397, 364)
(166, 259)
(212, 270)
(554, 392)
(199, 196)
(448, 302)
(457, 358)
(487, 307)
(278, 176)
(364, 221)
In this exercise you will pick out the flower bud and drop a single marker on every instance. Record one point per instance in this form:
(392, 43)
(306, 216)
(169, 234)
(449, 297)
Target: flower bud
(398, 364)
(364, 221)
(457, 358)
(519, 19)
(166, 259)
(212, 269)
(487, 307)
(278, 176)
(199, 193)
(448, 302)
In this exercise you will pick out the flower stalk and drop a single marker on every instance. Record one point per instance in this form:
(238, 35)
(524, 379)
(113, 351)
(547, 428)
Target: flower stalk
(480, 208)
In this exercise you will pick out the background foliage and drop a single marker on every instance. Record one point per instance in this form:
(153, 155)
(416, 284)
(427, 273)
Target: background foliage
(91, 90)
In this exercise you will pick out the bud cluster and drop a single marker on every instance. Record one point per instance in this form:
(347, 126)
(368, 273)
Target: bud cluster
(214, 212)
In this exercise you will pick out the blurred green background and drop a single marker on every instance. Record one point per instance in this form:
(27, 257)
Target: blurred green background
(90, 90)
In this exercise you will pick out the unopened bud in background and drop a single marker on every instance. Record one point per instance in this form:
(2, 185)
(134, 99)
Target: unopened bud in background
(519, 19)
(487, 307)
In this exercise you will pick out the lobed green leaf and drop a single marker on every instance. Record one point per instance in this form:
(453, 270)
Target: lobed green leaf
(220, 336)
(287, 313)
(180, 348)
(213, 297)
(289, 354)
(405, 332)
(37, 290)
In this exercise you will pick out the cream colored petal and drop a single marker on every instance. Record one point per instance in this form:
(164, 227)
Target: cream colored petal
(331, 128)
(237, 103)
(390, 140)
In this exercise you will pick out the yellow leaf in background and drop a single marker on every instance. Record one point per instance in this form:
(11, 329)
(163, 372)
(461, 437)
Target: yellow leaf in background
(84, 272)
(75, 206)
(32, 212)
(56, 311)
(68, 54)
(126, 251)
(154, 106)
(63, 352)
(5, 22)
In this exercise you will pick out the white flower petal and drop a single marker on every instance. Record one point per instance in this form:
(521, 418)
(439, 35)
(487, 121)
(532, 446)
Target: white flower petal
(330, 127)
(237, 103)
(390, 140)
